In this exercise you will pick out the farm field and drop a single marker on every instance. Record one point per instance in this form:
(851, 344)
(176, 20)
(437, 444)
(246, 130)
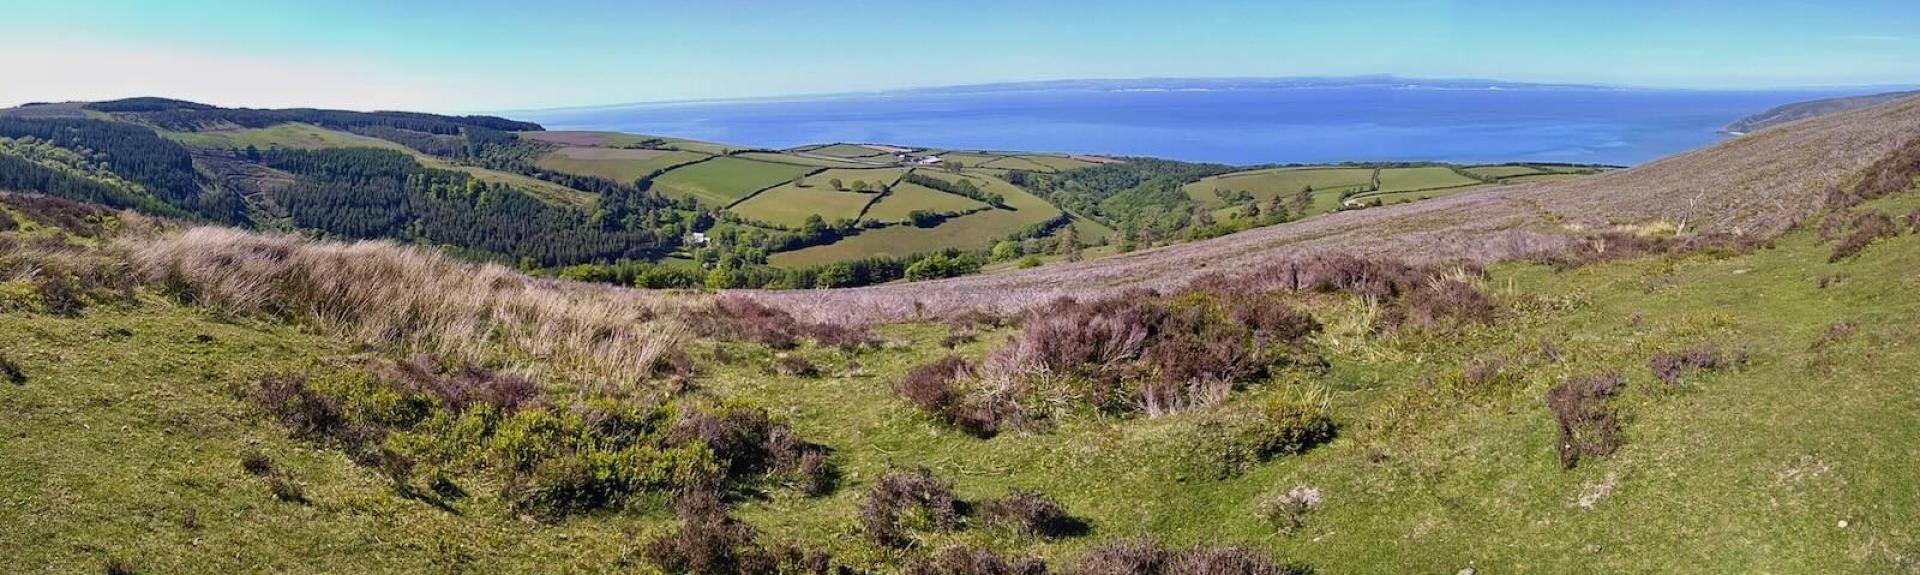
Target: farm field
(803, 159)
(1423, 178)
(1552, 177)
(621, 139)
(725, 180)
(1503, 171)
(972, 231)
(1265, 184)
(617, 164)
(790, 206)
(908, 197)
(847, 151)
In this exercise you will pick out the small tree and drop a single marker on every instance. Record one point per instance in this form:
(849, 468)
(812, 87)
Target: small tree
(800, 181)
(861, 186)
(1006, 250)
(836, 184)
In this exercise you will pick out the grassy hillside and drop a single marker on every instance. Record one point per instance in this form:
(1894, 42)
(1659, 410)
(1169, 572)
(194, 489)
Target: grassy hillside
(134, 441)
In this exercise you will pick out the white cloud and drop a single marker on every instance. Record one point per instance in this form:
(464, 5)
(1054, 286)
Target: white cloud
(42, 71)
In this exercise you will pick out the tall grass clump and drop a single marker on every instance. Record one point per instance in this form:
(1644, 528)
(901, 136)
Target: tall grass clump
(384, 294)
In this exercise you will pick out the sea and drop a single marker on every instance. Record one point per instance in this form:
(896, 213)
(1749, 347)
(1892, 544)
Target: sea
(1240, 125)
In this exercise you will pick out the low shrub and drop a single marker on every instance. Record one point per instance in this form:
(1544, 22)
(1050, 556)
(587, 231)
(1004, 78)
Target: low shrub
(461, 388)
(1588, 425)
(746, 442)
(938, 388)
(11, 370)
(1865, 229)
(795, 366)
(1669, 366)
(709, 541)
(257, 464)
(286, 489)
(901, 503)
(1441, 304)
(1288, 511)
(118, 566)
(1229, 444)
(744, 319)
(1033, 514)
(1149, 557)
(974, 561)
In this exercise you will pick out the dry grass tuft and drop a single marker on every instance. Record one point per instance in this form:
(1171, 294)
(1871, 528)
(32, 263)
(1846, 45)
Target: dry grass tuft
(385, 294)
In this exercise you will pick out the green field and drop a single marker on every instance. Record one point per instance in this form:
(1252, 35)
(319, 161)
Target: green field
(790, 206)
(908, 197)
(1502, 171)
(967, 159)
(617, 164)
(1265, 184)
(1017, 163)
(1427, 178)
(972, 231)
(305, 136)
(847, 151)
(797, 159)
(1058, 163)
(621, 140)
(723, 181)
(1554, 177)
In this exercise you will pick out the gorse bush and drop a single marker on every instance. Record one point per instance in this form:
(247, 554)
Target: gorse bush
(426, 419)
(1229, 443)
(1588, 425)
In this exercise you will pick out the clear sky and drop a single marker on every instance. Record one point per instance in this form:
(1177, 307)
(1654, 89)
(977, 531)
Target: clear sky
(474, 55)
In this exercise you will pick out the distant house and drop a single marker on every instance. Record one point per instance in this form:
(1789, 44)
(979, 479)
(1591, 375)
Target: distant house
(930, 161)
(699, 238)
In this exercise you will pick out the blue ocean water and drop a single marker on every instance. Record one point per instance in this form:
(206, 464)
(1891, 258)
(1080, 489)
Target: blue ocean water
(1240, 126)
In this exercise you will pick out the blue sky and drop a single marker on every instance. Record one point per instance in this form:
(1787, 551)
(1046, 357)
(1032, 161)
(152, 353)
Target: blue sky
(496, 55)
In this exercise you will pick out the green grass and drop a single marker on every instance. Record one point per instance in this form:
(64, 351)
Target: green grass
(127, 427)
(723, 181)
(908, 197)
(1427, 178)
(619, 165)
(1058, 163)
(967, 159)
(790, 206)
(1503, 171)
(1017, 163)
(972, 231)
(847, 151)
(796, 158)
(1284, 182)
(303, 136)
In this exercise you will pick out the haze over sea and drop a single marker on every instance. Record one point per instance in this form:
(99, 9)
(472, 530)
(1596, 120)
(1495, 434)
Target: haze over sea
(1237, 122)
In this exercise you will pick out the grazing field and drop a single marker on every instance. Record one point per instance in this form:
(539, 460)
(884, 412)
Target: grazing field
(847, 151)
(1534, 178)
(874, 177)
(803, 159)
(622, 140)
(723, 181)
(1058, 163)
(1265, 184)
(617, 164)
(972, 231)
(1503, 171)
(968, 159)
(1017, 163)
(292, 135)
(1427, 178)
(908, 197)
(790, 206)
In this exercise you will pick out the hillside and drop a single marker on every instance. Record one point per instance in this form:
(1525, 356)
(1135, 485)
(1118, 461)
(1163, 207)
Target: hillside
(179, 399)
(651, 211)
(1755, 186)
(1812, 109)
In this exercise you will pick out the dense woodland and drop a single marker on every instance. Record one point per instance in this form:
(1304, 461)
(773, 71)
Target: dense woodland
(161, 166)
(369, 193)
